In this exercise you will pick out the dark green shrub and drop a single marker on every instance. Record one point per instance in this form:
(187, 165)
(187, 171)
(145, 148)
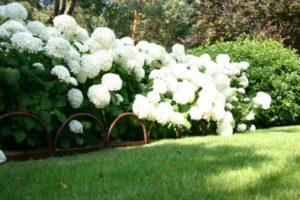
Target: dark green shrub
(273, 69)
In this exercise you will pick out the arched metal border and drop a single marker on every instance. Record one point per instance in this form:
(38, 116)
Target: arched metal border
(128, 114)
(79, 115)
(38, 120)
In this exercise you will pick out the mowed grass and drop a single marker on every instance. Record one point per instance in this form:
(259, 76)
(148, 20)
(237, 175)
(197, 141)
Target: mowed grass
(260, 165)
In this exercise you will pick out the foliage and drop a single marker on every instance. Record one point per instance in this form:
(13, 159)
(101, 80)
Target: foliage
(273, 68)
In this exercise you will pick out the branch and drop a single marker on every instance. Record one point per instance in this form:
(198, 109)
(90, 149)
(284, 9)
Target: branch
(56, 7)
(63, 7)
(72, 7)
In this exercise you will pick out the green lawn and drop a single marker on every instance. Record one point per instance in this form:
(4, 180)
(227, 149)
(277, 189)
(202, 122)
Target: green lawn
(260, 165)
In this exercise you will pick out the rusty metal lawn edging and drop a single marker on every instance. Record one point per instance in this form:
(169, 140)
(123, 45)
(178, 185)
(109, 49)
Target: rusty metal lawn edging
(31, 154)
(129, 114)
(76, 116)
(53, 149)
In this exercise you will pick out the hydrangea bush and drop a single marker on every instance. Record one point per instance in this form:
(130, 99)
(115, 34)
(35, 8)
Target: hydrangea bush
(186, 89)
(47, 66)
(65, 70)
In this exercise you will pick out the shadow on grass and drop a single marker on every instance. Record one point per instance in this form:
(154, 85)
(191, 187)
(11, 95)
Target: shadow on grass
(157, 171)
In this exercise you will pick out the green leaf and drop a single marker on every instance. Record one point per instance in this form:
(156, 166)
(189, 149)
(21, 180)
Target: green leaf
(29, 123)
(10, 75)
(19, 136)
(30, 141)
(61, 117)
(5, 131)
(60, 101)
(45, 103)
(46, 117)
(65, 142)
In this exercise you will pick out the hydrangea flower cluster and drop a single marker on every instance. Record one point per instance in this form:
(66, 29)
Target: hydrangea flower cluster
(183, 88)
(76, 127)
(2, 157)
(80, 56)
(187, 88)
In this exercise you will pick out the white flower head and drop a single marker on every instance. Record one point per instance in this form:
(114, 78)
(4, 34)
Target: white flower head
(262, 99)
(225, 125)
(12, 27)
(67, 24)
(76, 127)
(113, 82)
(250, 116)
(99, 95)
(153, 96)
(104, 38)
(38, 66)
(252, 127)
(75, 97)
(61, 72)
(15, 11)
(57, 47)
(2, 157)
(25, 41)
(36, 27)
(81, 35)
(50, 32)
(241, 127)
(163, 113)
(185, 93)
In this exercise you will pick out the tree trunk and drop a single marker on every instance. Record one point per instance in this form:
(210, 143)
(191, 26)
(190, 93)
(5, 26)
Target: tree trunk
(63, 7)
(56, 8)
(72, 7)
(135, 26)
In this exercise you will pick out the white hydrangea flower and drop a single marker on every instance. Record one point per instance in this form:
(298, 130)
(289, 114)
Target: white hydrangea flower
(127, 41)
(12, 27)
(67, 24)
(243, 81)
(57, 47)
(185, 93)
(241, 90)
(139, 73)
(223, 59)
(153, 96)
(241, 127)
(143, 108)
(104, 38)
(224, 126)
(15, 11)
(160, 86)
(178, 52)
(25, 41)
(250, 116)
(61, 72)
(2, 11)
(113, 82)
(262, 99)
(50, 32)
(35, 27)
(4, 33)
(195, 113)
(2, 157)
(76, 127)
(163, 113)
(81, 35)
(75, 98)
(252, 127)
(119, 98)
(38, 66)
(99, 95)
(178, 119)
